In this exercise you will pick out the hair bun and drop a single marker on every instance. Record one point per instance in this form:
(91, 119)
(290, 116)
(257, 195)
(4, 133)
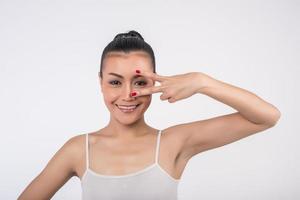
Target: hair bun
(130, 34)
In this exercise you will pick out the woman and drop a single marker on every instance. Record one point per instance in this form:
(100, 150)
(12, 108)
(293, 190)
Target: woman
(128, 159)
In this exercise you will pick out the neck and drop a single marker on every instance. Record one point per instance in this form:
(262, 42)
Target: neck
(122, 131)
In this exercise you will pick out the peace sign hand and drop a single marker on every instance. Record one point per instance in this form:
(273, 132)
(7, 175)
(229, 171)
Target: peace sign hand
(175, 87)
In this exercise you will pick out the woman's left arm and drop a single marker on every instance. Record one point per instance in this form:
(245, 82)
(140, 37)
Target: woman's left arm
(253, 113)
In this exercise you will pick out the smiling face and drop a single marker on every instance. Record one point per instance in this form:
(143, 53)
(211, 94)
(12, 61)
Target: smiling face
(119, 80)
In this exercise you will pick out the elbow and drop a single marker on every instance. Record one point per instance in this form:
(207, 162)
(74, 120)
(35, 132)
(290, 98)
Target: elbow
(274, 117)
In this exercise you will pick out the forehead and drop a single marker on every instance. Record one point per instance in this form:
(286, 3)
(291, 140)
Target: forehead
(127, 62)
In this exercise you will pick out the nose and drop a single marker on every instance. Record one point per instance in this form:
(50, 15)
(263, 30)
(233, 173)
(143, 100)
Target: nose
(126, 93)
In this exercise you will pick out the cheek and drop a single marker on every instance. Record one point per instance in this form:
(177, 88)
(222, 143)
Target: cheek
(109, 96)
(146, 100)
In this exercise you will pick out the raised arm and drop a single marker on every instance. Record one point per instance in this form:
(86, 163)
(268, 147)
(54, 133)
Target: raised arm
(253, 113)
(57, 172)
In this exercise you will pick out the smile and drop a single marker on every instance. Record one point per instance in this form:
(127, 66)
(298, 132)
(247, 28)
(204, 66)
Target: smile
(127, 109)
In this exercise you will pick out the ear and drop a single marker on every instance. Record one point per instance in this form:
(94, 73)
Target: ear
(100, 81)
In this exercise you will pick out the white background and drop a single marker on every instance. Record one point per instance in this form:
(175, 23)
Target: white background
(50, 54)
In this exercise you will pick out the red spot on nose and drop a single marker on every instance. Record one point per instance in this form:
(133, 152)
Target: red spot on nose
(137, 71)
(133, 93)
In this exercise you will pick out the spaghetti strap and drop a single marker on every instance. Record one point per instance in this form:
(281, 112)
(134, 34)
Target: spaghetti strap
(157, 147)
(87, 150)
(156, 182)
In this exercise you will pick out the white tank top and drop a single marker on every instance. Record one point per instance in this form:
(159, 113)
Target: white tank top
(150, 183)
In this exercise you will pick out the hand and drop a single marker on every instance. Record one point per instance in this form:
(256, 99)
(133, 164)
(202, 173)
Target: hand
(175, 87)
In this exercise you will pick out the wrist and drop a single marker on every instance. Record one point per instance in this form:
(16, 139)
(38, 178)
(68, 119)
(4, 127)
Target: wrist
(205, 81)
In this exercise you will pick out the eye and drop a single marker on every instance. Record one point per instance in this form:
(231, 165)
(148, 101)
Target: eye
(143, 83)
(113, 82)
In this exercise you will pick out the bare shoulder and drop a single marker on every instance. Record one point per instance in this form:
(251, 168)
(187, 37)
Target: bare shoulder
(76, 142)
(174, 134)
(59, 169)
(72, 150)
(75, 147)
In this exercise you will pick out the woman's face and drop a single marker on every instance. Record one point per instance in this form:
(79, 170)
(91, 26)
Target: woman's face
(119, 80)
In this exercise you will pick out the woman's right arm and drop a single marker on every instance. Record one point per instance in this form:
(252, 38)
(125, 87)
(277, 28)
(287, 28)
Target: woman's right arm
(57, 172)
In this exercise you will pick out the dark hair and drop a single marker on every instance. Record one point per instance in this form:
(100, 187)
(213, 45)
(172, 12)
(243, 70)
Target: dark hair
(127, 42)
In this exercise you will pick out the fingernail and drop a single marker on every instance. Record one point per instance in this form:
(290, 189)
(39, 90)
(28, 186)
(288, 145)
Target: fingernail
(133, 93)
(137, 71)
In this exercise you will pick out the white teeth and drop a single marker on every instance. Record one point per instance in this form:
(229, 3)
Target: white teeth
(127, 107)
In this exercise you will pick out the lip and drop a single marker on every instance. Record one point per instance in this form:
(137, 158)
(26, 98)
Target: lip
(128, 110)
(129, 105)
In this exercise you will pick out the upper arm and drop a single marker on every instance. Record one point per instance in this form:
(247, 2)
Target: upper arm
(57, 172)
(211, 133)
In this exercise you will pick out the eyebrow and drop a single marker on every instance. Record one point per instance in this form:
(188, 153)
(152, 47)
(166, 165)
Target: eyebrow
(120, 76)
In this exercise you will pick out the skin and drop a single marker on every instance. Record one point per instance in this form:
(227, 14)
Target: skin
(124, 126)
(128, 136)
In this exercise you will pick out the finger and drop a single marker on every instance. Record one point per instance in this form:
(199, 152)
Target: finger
(165, 96)
(151, 75)
(171, 100)
(148, 91)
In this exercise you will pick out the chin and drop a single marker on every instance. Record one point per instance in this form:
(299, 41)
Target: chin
(129, 118)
